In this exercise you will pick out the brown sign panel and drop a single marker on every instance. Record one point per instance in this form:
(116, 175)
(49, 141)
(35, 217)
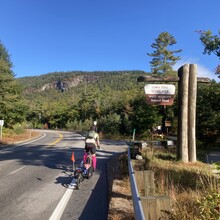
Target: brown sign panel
(155, 99)
(167, 123)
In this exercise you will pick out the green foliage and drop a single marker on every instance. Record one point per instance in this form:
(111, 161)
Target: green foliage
(18, 129)
(146, 135)
(211, 44)
(163, 58)
(12, 107)
(4, 56)
(103, 96)
(110, 123)
(73, 125)
(209, 206)
(216, 165)
(115, 100)
(145, 116)
(208, 112)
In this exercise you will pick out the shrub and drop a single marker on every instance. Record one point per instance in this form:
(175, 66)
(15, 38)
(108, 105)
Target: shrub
(18, 129)
(209, 206)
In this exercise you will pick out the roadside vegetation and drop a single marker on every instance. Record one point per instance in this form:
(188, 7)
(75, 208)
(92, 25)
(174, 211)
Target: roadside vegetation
(19, 133)
(193, 188)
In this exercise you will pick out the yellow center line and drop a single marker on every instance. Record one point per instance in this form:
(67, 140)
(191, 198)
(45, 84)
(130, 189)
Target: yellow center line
(58, 140)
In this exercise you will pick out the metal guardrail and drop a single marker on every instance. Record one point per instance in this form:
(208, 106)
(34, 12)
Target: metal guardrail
(138, 210)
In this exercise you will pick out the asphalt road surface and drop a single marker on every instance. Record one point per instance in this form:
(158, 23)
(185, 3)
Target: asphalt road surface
(213, 157)
(36, 179)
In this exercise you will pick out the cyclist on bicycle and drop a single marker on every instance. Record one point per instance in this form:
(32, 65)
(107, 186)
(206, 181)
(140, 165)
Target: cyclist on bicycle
(91, 142)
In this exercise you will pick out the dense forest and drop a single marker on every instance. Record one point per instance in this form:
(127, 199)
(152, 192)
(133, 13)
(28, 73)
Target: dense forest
(73, 100)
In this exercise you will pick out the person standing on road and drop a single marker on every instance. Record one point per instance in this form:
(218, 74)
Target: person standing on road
(91, 142)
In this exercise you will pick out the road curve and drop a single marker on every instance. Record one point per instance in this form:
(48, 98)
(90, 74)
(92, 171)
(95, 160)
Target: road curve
(35, 178)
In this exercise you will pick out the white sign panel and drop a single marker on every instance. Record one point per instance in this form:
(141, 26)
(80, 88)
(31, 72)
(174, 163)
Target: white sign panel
(1, 122)
(159, 94)
(159, 89)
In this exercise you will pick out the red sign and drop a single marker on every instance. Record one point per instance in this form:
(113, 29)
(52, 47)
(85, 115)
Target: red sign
(159, 94)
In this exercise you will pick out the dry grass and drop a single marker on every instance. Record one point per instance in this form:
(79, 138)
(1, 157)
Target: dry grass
(120, 205)
(15, 138)
(193, 187)
(120, 200)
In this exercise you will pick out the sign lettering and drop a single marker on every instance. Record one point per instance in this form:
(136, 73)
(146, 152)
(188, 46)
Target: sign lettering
(159, 94)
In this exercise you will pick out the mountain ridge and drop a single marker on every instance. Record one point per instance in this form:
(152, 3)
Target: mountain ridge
(64, 81)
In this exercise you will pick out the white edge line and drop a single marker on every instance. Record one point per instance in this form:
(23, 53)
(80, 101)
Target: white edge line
(63, 202)
(44, 134)
(15, 171)
(21, 144)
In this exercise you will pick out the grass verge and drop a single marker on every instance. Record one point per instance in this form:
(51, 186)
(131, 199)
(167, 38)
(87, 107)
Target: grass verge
(11, 137)
(193, 187)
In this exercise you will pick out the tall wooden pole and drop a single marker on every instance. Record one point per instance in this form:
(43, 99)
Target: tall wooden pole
(182, 136)
(192, 112)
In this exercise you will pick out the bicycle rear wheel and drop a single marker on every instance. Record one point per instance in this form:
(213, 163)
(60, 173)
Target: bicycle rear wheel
(90, 172)
(79, 180)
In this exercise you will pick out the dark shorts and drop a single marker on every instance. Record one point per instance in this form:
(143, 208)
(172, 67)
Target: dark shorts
(90, 147)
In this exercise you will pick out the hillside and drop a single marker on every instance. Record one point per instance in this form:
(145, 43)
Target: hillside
(57, 84)
(72, 100)
(67, 99)
(75, 78)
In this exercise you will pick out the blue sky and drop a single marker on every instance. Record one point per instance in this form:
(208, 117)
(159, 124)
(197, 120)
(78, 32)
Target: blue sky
(44, 36)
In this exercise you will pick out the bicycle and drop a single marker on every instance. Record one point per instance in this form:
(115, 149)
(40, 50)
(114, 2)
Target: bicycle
(84, 171)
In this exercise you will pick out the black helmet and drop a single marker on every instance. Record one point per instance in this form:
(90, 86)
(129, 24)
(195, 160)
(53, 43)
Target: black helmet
(92, 128)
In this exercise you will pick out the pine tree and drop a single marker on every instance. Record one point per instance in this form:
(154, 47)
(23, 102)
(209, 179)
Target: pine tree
(163, 58)
(212, 45)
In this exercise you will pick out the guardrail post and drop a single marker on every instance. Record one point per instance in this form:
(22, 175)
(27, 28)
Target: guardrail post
(153, 206)
(149, 185)
(145, 182)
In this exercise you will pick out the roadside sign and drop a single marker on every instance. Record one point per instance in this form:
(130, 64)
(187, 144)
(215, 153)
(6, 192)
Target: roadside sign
(167, 123)
(1, 125)
(1, 122)
(159, 94)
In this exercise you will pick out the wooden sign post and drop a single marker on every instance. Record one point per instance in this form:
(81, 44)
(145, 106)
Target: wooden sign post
(187, 92)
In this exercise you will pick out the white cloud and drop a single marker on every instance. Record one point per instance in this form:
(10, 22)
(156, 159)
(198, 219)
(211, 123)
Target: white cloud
(203, 71)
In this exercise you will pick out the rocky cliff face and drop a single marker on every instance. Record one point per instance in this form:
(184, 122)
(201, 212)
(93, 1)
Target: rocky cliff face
(52, 82)
(63, 84)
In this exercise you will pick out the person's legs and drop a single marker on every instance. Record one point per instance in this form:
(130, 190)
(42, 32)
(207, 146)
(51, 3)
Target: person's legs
(85, 156)
(94, 161)
(93, 151)
(92, 148)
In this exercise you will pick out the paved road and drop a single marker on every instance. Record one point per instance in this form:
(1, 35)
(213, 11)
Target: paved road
(213, 157)
(35, 179)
